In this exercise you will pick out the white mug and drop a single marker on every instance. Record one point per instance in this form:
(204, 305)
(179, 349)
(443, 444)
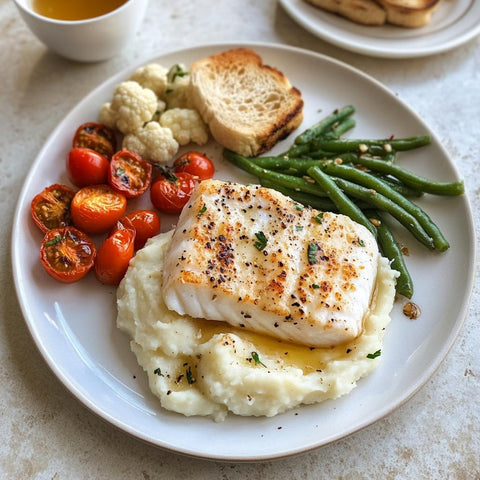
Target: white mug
(89, 40)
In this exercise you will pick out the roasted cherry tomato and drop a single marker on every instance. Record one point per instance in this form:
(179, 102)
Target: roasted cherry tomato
(97, 137)
(51, 207)
(129, 174)
(146, 224)
(170, 193)
(195, 163)
(67, 254)
(114, 255)
(86, 167)
(96, 208)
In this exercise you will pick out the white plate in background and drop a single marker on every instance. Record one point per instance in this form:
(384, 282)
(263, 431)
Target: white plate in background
(453, 23)
(74, 325)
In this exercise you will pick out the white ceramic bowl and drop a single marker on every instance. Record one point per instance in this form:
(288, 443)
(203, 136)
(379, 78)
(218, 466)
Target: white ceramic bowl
(87, 40)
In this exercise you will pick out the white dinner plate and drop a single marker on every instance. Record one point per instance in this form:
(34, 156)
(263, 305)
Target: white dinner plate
(452, 24)
(74, 325)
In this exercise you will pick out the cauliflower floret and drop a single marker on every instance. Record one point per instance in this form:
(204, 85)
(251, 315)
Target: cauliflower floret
(176, 94)
(131, 107)
(161, 107)
(107, 116)
(152, 142)
(152, 76)
(186, 125)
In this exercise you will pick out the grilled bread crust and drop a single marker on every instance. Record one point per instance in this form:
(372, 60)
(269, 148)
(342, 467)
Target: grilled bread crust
(409, 13)
(247, 105)
(366, 12)
(405, 13)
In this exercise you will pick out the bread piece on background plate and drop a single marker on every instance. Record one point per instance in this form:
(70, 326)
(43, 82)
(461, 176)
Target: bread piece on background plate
(409, 13)
(247, 105)
(366, 12)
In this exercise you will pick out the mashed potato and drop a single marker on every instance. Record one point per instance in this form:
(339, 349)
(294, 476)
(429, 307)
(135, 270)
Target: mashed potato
(200, 367)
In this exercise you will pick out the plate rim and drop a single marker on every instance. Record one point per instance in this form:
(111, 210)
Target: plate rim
(382, 52)
(105, 415)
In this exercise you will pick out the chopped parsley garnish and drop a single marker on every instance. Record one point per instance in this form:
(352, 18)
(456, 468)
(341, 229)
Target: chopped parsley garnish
(361, 242)
(261, 242)
(56, 239)
(319, 218)
(190, 378)
(312, 253)
(298, 207)
(158, 372)
(202, 210)
(374, 355)
(315, 285)
(257, 360)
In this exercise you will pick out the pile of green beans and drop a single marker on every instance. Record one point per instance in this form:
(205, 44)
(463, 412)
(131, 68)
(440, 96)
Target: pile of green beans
(359, 178)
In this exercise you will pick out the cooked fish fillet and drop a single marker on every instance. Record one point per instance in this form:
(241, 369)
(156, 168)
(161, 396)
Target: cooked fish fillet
(254, 258)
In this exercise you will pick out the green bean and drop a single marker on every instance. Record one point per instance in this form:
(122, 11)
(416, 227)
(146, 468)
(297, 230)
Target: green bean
(369, 181)
(297, 150)
(342, 202)
(321, 126)
(383, 203)
(338, 129)
(300, 165)
(398, 186)
(320, 203)
(320, 154)
(288, 181)
(297, 166)
(348, 145)
(391, 249)
(412, 179)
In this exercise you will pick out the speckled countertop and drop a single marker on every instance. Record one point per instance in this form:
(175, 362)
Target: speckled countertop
(48, 434)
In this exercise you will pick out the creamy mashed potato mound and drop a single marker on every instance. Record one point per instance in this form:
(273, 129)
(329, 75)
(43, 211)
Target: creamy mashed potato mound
(200, 367)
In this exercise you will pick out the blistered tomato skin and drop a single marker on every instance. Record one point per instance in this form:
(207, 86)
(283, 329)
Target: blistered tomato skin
(96, 208)
(114, 255)
(86, 167)
(67, 254)
(195, 163)
(97, 137)
(170, 194)
(129, 174)
(51, 207)
(146, 224)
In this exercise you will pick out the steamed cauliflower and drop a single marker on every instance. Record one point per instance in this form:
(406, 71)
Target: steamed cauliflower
(152, 76)
(152, 142)
(186, 125)
(131, 107)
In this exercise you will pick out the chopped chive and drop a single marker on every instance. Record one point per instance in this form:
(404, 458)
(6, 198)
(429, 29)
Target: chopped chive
(56, 239)
(202, 210)
(257, 360)
(312, 253)
(261, 242)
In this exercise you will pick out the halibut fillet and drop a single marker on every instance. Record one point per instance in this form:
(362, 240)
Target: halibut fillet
(254, 258)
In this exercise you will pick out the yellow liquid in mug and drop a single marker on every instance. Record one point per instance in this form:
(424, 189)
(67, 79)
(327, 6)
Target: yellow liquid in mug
(75, 9)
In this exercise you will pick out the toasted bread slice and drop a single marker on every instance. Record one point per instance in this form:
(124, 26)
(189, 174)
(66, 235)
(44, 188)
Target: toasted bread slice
(247, 105)
(366, 12)
(409, 13)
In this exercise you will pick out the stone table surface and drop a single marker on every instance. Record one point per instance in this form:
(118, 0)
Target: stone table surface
(49, 434)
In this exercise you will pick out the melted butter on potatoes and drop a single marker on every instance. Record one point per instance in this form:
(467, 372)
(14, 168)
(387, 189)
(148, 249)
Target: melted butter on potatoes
(199, 367)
